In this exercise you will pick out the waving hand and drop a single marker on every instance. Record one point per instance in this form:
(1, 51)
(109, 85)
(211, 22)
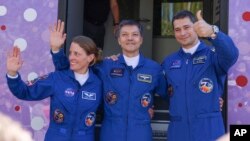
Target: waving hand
(57, 35)
(14, 61)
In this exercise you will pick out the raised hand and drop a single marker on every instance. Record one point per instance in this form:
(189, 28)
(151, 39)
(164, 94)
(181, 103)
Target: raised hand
(57, 35)
(14, 61)
(202, 28)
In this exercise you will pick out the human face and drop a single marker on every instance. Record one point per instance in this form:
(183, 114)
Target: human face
(130, 40)
(78, 58)
(185, 33)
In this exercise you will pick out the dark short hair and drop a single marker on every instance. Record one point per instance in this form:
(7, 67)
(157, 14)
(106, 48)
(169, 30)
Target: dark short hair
(89, 46)
(128, 22)
(184, 14)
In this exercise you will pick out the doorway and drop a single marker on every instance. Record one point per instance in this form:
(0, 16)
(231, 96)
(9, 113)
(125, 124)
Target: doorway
(140, 10)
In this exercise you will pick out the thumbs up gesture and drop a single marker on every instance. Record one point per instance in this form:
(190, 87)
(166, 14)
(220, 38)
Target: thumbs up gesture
(202, 28)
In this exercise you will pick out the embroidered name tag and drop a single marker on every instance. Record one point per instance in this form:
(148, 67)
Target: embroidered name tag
(200, 60)
(118, 72)
(88, 95)
(144, 78)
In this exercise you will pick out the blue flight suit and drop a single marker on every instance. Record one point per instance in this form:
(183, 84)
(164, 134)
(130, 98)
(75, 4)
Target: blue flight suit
(72, 106)
(195, 83)
(128, 94)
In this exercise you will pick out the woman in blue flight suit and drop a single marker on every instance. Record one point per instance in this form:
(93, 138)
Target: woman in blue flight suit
(129, 86)
(75, 94)
(196, 77)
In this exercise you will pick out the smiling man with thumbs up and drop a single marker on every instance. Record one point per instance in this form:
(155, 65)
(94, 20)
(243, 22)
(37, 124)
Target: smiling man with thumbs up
(196, 76)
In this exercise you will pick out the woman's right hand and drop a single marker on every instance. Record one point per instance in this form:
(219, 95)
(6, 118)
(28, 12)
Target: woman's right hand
(14, 61)
(57, 36)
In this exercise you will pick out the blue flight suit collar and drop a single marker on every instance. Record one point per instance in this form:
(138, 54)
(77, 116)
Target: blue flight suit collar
(141, 60)
(201, 47)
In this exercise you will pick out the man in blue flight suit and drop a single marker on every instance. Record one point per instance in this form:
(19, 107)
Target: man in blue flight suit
(195, 79)
(129, 86)
(133, 79)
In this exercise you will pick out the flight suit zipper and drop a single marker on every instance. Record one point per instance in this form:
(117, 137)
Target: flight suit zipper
(78, 94)
(129, 97)
(186, 94)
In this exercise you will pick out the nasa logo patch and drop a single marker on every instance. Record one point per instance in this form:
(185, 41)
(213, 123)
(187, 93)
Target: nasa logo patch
(69, 92)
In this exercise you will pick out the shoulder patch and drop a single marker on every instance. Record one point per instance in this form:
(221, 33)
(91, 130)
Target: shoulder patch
(31, 82)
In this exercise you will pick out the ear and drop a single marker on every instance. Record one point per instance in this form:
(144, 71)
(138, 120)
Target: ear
(91, 57)
(119, 42)
(141, 40)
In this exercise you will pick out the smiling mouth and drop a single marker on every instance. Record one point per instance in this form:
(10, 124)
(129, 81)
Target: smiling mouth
(130, 44)
(72, 63)
(184, 39)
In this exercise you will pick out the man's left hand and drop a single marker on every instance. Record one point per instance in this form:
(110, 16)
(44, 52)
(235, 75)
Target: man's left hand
(202, 28)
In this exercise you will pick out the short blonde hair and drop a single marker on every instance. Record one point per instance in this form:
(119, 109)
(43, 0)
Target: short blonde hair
(11, 130)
